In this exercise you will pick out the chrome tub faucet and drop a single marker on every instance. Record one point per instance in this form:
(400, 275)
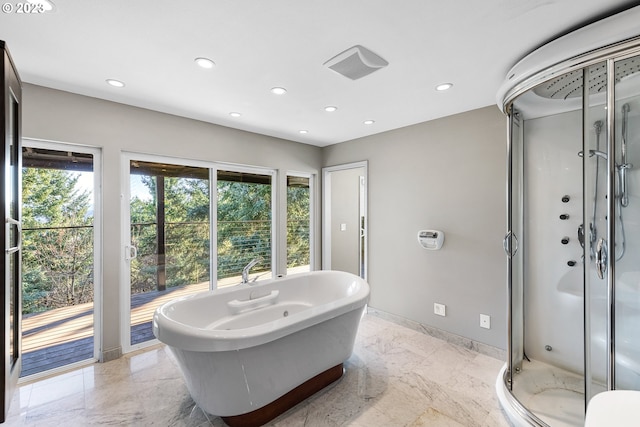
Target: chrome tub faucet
(247, 268)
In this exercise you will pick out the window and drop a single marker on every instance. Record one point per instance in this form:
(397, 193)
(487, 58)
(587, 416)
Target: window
(245, 205)
(298, 224)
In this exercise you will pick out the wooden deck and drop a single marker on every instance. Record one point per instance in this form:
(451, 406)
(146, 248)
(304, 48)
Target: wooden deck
(65, 335)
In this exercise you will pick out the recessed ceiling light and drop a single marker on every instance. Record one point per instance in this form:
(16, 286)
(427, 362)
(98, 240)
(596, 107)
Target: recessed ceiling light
(278, 90)
(205, 62)
(235, 114)
(444, 86)
(369, 122)
(303, 131)
(330, 109)
(115, 83)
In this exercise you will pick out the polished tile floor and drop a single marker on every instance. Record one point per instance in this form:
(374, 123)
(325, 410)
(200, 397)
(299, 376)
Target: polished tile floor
(395, 377)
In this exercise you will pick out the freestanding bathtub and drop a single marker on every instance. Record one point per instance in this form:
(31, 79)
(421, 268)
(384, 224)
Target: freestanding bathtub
(250, 352)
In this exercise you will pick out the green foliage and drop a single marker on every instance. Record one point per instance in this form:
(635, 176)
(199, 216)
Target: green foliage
(50, 198)
(244, 226)
(298, 223)
(187, 230)
(186, 203)
(58, 237)
(243, 230)
(143, 237)
(57, 260)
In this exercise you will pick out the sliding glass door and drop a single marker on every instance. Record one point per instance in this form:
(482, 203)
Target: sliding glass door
(169, 239)
(171, 206)
(60, 256)
(244, 225)
(299, 208)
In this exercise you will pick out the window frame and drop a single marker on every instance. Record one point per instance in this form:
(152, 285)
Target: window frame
(274, 211)
(312, 218)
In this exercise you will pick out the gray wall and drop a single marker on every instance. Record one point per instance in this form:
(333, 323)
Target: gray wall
(448, 174)
(61, 116)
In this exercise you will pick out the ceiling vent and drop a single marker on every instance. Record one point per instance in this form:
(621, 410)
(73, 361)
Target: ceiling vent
(356, 62)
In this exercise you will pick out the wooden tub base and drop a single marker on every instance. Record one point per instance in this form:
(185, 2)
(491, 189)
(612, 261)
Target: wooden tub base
(270, 411)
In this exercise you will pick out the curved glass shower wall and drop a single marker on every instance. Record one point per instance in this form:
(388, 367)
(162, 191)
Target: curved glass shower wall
(573, 238)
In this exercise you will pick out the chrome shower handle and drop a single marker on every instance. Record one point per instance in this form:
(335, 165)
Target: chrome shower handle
(623, 169)
(506, 244)
(581, 235)
(601, 257)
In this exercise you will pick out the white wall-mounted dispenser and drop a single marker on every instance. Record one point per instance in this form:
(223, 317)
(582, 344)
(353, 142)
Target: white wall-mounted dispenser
(431, 239)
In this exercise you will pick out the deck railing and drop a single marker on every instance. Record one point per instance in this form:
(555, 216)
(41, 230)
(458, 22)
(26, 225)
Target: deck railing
(57, 267)
(58, 276)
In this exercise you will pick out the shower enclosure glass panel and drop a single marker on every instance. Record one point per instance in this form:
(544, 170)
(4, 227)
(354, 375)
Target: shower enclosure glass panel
(572, 241)
(593, 231)
(514, 244)
(627, 215)
(546, 342)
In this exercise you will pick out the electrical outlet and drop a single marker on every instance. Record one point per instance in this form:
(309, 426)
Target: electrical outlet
(485, 321)
(440, 309)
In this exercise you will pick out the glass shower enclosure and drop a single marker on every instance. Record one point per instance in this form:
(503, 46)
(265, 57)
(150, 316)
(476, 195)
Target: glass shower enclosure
(573, 232)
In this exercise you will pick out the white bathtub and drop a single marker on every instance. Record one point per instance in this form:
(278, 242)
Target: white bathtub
(240, 349)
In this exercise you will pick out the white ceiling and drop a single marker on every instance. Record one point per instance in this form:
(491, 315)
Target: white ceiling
(259, 44)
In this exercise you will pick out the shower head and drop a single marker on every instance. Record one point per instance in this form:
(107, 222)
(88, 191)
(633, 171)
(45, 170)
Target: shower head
(569, 85)
(598, 126)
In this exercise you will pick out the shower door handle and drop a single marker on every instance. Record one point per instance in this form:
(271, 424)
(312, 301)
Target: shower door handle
(601, 257)
(506, 244)
(581, 235)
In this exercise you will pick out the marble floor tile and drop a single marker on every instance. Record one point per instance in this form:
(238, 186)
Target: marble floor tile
(397, 376)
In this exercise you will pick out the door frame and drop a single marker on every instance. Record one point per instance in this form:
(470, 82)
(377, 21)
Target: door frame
(125, 278)
(326, 214)
(11, 194)
(96, 152)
